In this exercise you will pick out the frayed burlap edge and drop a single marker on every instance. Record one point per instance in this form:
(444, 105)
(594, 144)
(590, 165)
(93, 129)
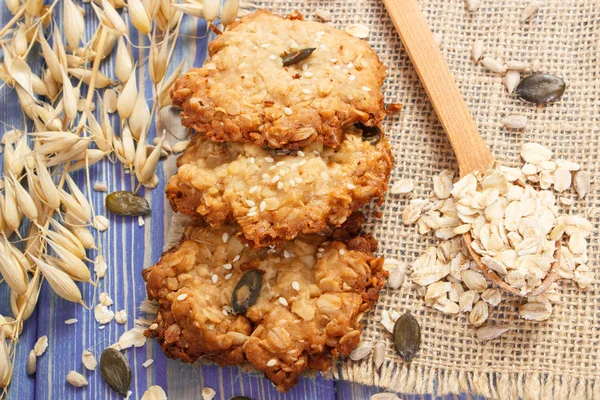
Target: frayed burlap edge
(440, 381)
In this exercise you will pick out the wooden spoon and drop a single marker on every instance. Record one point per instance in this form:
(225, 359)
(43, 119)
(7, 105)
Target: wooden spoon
(472, 154)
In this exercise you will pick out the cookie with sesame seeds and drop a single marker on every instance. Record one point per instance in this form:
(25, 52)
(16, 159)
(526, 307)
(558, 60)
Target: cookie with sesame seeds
(312, 293)
(283, 83)
(274, 195)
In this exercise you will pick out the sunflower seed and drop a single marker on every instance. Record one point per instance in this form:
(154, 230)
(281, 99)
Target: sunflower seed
(490, 332)
(74, 378)
(511, 80)
(31, 363)
(358, 30)
(407, 336)
(529, 10)
(378, 354)
(515, 121)
(88, 360)
(541, 88)
(477, 50)
(40, 346)
(210, 393)
(147, 363)
(493, 65)
(582, 183)
(362, 350)
(115, 370)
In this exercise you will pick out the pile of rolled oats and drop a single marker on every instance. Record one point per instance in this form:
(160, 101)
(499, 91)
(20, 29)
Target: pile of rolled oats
(515, 229)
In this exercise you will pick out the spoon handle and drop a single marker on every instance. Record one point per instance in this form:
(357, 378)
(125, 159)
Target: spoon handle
(470, 149)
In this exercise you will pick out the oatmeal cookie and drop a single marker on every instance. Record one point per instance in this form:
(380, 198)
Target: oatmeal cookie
(314, 293)
(274, 195)
(244, 93)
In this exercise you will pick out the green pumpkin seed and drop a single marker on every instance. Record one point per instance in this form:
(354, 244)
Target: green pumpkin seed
(540, 88)
(407, 336)
(127, 203)
(371, 134)
(246, 291)
(115, 370)
(296, 57)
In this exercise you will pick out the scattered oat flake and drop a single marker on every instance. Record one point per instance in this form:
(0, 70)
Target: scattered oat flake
(154, 393)
(40, 346)
(490, 332)
(31, 363)
(208, 393)
(402, 186)
(70, 321)
(360, 31)
(121, 317)
(133, 337)
(105, 299)
(102, 314)
(323, 14)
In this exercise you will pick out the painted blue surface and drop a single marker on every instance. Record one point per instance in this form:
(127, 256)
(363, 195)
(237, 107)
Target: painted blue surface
(128, 248)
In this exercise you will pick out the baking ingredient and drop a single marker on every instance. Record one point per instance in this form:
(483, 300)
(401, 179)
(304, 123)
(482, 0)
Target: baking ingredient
(246, 291)
(296, 57)
(115, 370)
(127, 204)
(541, 88)
(407, 336)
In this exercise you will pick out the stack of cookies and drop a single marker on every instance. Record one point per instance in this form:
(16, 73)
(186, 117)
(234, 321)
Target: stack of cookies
(287, 147)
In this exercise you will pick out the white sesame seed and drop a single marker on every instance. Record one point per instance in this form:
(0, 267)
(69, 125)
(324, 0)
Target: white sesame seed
(302, 163)
(283, 301)
(345, 70)
(352, 77)
(147, 363)
(279, 185)
(262, 206)
(320, 33)
(282, 172)
(153, 326)
(236, 258)
(292, 183)
(266, 177)
(265, 45)
(227, 266)
(350, 65)
(320, 249)
(225, 313)
(272, 362)
(251, 214)
(253, 189)
(272, 57)
(272, 168)
(250, 203)
(227, 277)
(304, 67)
(280, 163)
(269, 159)
(215, 278)
(275, 179)
(293, 44)
(287, 111)
(316, 153)
(182, 297)
(286, 254)
(70, 321)
(252, 160)
(305, 91)
(298, 179)
(350, 186)
(225, 237)
(271, 251)
(300, 153)
(296, 286)
(333, 60)
(366, 89)
(252, 209)
(342, 252)
(307, 74)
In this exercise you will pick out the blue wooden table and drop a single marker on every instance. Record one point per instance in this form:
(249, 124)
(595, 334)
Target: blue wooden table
(128, 249)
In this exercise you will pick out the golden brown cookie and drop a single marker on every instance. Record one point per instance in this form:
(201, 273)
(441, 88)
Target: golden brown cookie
(244, 93)
(274, 195)
(314, 292)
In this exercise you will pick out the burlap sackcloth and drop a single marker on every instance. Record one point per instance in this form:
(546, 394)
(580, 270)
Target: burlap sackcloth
(556, 359)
